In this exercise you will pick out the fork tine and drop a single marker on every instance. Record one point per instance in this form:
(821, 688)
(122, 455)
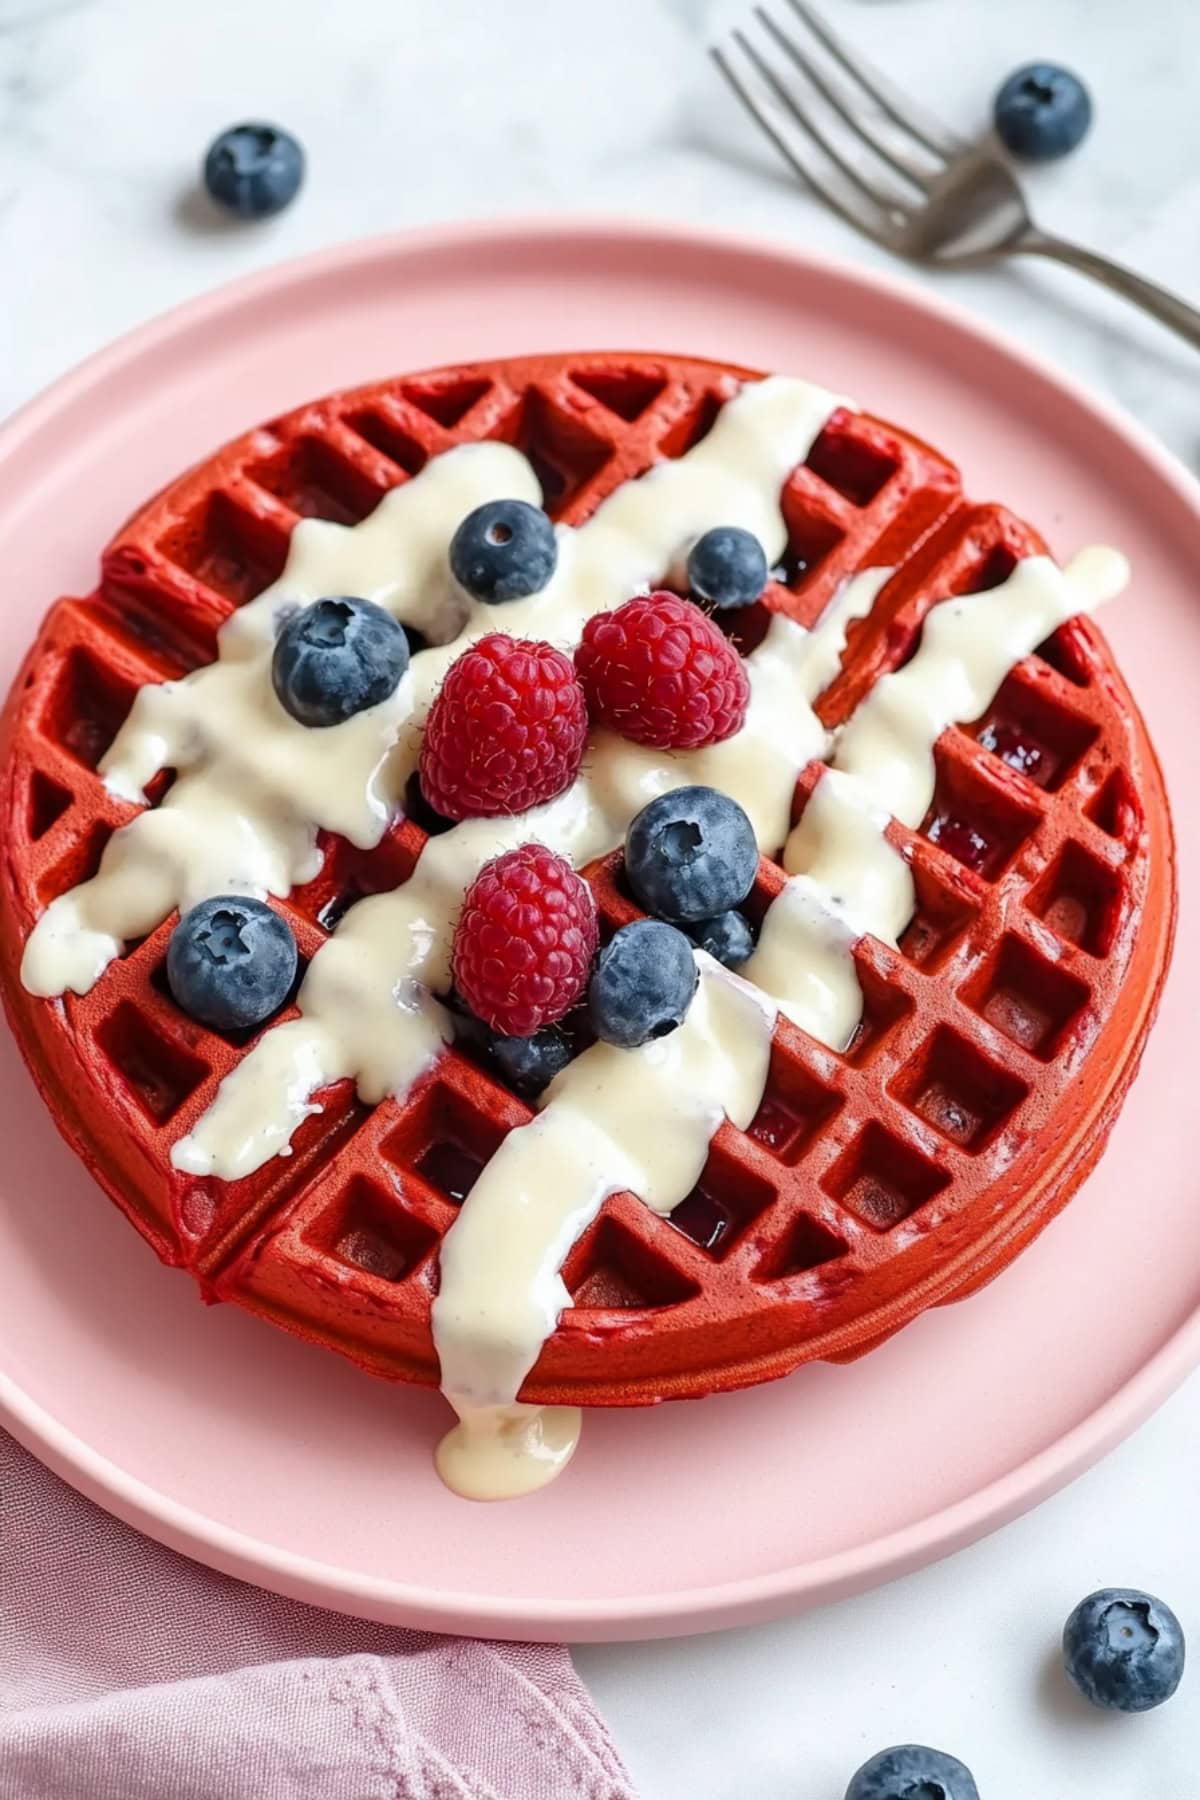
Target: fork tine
(929, 131)
(840, 103)
(787, 149)
(889, 202)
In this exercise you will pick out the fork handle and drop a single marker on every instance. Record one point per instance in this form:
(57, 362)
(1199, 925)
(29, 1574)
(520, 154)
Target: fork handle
(1167, 308)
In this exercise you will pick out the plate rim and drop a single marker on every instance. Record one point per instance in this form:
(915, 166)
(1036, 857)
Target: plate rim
(743, 1600)
(749, 1600)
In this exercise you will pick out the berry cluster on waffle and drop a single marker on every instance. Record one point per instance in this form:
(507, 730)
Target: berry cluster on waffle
(721, 924)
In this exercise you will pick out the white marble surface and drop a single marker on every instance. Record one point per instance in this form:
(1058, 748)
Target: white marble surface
(415, 110)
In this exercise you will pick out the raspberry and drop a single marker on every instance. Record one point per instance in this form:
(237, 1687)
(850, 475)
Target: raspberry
(658, 671)
(525, 941)
(505, 733)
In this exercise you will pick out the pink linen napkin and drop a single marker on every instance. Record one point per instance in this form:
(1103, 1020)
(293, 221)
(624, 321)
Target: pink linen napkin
(130, 1673)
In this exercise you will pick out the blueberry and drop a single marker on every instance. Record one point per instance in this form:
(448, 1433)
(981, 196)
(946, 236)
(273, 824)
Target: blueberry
(727, 567)
(691, 854)
(254, 170)
(1042, 112)
(728, 937)
(1124, 1650)
(643, 984)
(913, 1772)
(530, 1064)
(467, 1028)
(231, 962)
(335, 658)
(504, 550)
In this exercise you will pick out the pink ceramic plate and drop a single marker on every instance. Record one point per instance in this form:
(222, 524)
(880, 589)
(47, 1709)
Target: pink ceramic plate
(282, 1464)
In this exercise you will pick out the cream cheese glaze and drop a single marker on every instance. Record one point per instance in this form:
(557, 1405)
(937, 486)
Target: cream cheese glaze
(847, 880)
(614, 1119)
(253, 788)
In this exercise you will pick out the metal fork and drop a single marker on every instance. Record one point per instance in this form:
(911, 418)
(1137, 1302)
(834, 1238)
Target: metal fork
(920, 190)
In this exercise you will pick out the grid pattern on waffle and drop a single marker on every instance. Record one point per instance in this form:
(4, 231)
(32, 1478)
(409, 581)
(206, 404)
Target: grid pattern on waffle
(862, 1173)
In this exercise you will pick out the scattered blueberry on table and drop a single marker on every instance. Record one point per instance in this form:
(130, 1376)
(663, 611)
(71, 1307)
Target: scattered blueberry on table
(254, 170)
(1042, 112)
(727, 567)
(643, 984)
(231, 962)
(691, 854)
(337, 657)
(913, 1772)
(1124, 1650)
(504, 550)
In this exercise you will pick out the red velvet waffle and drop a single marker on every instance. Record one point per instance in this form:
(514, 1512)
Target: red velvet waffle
(995, 1048)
